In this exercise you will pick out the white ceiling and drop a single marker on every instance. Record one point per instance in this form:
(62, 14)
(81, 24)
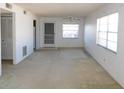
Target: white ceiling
(61, 9)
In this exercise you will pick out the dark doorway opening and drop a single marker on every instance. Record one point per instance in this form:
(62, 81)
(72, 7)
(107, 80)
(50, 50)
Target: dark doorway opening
(34, 32)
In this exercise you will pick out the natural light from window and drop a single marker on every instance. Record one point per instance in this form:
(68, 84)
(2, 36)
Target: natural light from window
(107, 31)
(70, 30)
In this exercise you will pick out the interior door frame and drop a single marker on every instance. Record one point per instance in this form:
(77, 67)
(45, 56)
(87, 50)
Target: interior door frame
(44, 45)
(13, 36)
(8, 17)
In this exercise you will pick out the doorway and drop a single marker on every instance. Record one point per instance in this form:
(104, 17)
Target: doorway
(6, 37)
(34, 33)
(49, 35)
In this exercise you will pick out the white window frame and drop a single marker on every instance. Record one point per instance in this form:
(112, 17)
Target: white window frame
(107, 32)
(70, 30)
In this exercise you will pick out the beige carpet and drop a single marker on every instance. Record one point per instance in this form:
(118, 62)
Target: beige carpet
(63, 68)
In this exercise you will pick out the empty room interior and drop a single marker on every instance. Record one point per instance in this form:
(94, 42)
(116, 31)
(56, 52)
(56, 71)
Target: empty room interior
(62, 46)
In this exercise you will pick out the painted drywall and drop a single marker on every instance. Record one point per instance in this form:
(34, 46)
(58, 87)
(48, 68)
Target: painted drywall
(22, 32)
(59, 40)
(112, 62)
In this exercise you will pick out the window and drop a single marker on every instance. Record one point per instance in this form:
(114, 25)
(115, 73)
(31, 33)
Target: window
(107, 30)
(70, 30)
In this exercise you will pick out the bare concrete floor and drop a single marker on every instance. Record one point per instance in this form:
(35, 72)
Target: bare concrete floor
(63, 68)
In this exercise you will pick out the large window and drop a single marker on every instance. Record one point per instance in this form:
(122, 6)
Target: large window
(107, 30)
(70, 30)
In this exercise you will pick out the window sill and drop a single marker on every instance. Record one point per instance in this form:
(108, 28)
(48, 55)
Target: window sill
(107, 49)
(70, 38)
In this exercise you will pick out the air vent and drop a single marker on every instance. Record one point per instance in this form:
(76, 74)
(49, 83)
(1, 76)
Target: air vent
(8, 6)
(24, 51)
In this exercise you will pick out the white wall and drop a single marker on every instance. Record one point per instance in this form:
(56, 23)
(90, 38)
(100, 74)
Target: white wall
(23, 32)
(59, 40)
(113, 63)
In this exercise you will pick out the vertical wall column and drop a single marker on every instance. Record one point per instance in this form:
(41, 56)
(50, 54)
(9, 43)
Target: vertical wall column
(0, 45)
